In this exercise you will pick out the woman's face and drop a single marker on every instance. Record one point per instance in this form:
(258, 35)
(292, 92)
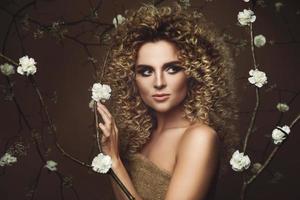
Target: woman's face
(160, 79)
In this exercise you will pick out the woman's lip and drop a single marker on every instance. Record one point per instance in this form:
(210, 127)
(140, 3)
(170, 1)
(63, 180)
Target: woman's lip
(161, 98)
(160, 95)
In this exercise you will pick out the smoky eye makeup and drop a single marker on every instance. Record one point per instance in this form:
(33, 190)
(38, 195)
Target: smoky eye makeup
(170, 67)
(173, 69)
(144, 70)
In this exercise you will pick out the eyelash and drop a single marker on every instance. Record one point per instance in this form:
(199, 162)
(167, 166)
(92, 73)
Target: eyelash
(145, 69)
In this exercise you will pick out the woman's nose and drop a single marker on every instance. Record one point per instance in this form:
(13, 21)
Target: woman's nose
(159, 81)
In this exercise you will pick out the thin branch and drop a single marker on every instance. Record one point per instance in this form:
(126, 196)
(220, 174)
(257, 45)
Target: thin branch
(252, 47)
(16, 14)
(253, 118)
(50, 123)
(37, 180)
(121, 185)
(267, 161)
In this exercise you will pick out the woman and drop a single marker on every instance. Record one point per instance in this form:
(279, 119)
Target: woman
(173, 105)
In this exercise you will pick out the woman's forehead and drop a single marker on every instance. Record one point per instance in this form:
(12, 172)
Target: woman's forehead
(156, 53)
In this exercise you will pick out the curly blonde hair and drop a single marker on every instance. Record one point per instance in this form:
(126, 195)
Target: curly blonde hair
(211, 97)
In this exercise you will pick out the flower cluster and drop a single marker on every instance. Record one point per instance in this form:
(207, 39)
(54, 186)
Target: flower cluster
(7, 159)
(258, 78)
(246, 17)
(7, 69)
(101, 92)
(51, 165)
(118, 20)
(239, 161)
(102, 163)
(279, 134)
(27, 66)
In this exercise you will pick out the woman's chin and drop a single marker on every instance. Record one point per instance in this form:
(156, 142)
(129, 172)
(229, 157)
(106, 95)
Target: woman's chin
(161, 108)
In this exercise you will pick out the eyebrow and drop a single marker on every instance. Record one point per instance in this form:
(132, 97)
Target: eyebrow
(164, 65)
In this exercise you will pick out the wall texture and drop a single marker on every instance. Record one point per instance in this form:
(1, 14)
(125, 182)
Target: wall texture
(65, 73)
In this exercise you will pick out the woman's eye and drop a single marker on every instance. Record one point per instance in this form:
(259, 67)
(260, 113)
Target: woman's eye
(145, 72)
(174, 69)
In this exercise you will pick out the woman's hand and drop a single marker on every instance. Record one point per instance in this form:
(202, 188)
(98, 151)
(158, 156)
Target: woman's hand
(109, 140)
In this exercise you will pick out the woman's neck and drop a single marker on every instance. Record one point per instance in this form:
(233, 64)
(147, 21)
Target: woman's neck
(171, 119)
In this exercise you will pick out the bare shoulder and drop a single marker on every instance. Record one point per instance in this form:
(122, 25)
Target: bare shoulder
(199, 136)
(196, 163)
(201, 131)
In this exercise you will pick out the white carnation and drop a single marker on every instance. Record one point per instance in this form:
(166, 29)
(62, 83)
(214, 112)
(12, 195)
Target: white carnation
(246, 17)
(102, 163)
(257, 78)
(259, 40)
(27, 66)
(118, 20)
(279, 134)
(282, 107)
(51, 165)
(239, 161)
(101, 92)
(7, 69)
(7, 159)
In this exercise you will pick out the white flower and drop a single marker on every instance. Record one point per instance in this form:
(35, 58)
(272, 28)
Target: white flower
(7, 69)
(51, 165)
(7, 159)
(259, 40)
(282, 107)
(239, 161)
(278, 6)
(185, 3)
(279, 134)
(246, 0)
(27, 66)
(257, 78)
(118, 20)
(246, 17)
(102, 163)
(101, 92)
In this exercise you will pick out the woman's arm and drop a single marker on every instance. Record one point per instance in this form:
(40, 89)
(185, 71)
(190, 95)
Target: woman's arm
(196, 164)
(110, 146)
(122, 174)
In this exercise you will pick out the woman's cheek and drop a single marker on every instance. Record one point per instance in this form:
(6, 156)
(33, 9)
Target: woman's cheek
(143, 88)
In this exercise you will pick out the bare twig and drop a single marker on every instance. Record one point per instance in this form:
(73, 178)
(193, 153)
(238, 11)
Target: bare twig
(252, 121)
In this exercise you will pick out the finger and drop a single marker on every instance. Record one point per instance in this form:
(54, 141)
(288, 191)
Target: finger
(115, 128)
(116, 134)
(104, 109)
(104, 139)
(104, 116)
(105, 132)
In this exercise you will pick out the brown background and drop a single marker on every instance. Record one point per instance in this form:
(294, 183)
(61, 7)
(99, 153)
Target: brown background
(63, 70)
